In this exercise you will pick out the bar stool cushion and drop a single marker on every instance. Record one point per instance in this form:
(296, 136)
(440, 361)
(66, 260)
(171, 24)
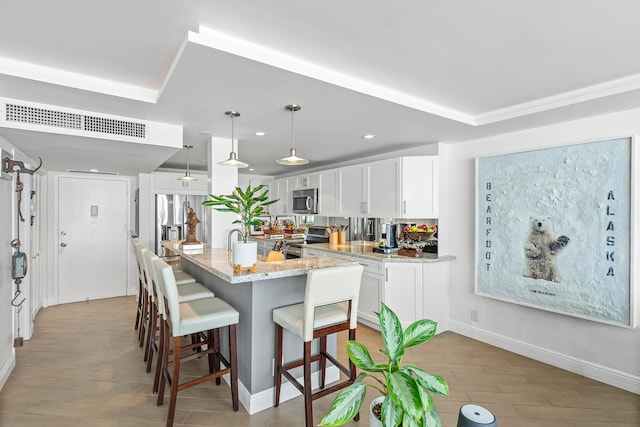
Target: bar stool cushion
(291, 317)
(183, 278)
(198, 315)
(193, 291)
(204, 314)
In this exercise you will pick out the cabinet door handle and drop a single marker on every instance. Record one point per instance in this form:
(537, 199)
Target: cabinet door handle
(386, 274)
(363, 207)
(404, 206)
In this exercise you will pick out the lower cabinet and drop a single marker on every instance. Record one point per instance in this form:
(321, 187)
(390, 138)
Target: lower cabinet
(370, 292)
(403, 290)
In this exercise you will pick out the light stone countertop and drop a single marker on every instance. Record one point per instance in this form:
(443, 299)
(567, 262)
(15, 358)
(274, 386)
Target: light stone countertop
(218, 262)
(363, 249)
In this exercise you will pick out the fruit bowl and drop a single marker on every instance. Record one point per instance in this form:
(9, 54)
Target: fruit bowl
(417, 235)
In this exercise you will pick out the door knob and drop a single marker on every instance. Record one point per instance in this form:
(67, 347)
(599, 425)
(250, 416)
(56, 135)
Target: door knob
(63, 245)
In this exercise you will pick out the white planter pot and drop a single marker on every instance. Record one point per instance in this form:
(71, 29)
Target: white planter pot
(373, 421)
(245, 254)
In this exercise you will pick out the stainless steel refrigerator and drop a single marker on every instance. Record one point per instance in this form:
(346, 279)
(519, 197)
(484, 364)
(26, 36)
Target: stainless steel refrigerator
(171, 216)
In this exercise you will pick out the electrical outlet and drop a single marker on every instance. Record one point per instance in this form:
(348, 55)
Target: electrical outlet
(474, 315)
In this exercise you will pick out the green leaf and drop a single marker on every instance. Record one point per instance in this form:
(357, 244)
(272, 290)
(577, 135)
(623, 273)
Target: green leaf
(419, 332)
(404, 392)
(361, 357)
(390, 413)
(433, 383)
(432, 419)
(407, 421)
(345, 406)
(391, 330)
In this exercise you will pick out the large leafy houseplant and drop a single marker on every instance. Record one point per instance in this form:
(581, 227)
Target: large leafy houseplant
(248, 204)
(406, 389)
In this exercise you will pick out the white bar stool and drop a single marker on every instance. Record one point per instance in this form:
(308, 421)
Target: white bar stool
(203, 316)
(186, 292)
(330, 305)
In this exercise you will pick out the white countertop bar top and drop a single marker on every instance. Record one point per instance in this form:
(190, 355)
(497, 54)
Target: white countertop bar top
(218, 262)
(364, 249)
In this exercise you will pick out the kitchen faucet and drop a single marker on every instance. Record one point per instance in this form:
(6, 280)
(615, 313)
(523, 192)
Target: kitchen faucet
(235, 230)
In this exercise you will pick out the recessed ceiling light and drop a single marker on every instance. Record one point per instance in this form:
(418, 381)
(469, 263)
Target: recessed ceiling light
(251, 169)
(368, 136)
(261, 133)
(94, 170)
(206, 132)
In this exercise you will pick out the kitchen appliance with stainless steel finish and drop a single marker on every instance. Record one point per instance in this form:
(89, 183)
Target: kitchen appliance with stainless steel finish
(171, 216)
(362, 229)
(315, 234)
(305, 202)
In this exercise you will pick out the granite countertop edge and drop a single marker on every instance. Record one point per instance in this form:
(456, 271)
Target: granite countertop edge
(364, 250)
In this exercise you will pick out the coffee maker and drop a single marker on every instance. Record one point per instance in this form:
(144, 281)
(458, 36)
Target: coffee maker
(388, 232)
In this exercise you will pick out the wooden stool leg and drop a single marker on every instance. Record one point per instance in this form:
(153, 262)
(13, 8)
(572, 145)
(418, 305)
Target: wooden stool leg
(161, 344)
(308, 398)
(277, 374)
(175, 380)
(145, 316)
(139, 307)
(164, 368)
(323, 360)
(153, 317)
(233, 355)
(216, 355)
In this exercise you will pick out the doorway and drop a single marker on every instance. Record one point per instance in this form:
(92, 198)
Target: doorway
(92, 238)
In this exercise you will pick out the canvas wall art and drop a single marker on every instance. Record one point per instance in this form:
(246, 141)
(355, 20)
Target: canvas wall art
(553, 229)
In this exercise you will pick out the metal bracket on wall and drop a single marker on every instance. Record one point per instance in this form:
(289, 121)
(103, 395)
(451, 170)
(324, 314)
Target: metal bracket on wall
(10, 166)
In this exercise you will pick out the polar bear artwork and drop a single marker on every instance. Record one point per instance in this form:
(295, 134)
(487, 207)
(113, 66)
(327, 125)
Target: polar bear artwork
(541, 250)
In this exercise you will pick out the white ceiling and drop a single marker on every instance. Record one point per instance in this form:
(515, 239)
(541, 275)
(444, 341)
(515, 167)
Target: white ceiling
(412, 72)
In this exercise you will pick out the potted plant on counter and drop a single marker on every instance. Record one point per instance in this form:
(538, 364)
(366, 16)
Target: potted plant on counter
(248, 204)
(406, 390)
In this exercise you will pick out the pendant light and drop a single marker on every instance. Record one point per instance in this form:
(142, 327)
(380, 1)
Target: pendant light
(187, 175)
(292, 160)
(233, 161)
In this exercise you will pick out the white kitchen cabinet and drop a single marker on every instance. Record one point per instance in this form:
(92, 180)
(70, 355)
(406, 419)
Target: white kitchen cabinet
(168, 183)
(371, 189)
(308, 253)
(403, 290)
(279, 189)
(382, 188)
(329, 193)
(371, 290)
(419, 189)
(303, 182)
(352, 191)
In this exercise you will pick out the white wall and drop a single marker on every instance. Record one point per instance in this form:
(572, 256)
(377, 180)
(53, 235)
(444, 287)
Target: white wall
(607, 353)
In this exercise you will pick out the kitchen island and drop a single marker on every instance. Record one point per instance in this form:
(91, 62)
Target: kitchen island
(254, 295)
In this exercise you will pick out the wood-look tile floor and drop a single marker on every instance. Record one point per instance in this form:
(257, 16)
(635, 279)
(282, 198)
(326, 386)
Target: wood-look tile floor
(83, 368)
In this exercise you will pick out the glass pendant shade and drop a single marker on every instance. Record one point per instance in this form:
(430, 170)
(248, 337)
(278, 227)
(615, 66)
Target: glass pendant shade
(292, 159)
(187, 175)
(233, 161)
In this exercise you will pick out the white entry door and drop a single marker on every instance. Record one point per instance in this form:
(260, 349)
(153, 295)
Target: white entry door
(92, 238)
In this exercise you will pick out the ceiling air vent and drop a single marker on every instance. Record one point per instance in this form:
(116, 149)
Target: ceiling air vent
(49, 118)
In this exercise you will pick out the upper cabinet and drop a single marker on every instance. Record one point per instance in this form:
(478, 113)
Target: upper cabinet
(419, 187)
(400, 187)
(168, 183)
(279, 189)
(329, 193)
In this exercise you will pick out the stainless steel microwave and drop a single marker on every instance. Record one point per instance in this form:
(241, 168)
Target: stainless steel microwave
(305, 202)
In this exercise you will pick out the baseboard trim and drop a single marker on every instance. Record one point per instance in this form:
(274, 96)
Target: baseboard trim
(7, 368)
(587, 369)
